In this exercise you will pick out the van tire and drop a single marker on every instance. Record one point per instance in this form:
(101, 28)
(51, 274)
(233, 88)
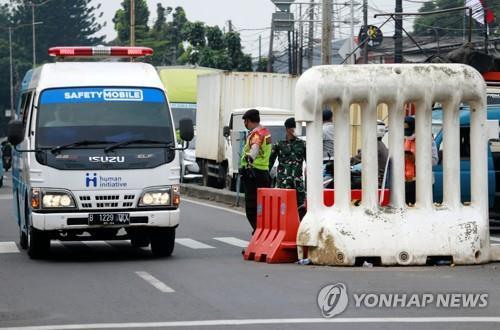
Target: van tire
(39, 243)
(23, 239)
(37, 240)
(163, 242)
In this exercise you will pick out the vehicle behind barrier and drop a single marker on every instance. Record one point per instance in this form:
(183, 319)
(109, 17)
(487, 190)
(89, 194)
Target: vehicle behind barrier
(493, 116)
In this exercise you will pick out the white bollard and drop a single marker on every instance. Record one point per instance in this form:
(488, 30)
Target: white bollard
(398, 234)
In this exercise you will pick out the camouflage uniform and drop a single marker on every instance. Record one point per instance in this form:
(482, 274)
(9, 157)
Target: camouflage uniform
(291, 154)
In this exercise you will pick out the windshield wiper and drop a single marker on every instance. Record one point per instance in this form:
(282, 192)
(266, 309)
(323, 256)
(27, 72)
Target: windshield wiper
(140, 141)
(78, 143)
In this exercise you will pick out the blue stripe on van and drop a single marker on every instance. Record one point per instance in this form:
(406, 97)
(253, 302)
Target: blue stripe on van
(99, 95)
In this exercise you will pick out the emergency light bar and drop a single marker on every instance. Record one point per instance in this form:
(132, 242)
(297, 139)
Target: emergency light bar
(100, 51)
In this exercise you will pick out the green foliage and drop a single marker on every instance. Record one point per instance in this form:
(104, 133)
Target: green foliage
(206, 45)
(215, 37)
(122, 21)
(262, 65)
(195, 34)
(65, 22)
(452, 23)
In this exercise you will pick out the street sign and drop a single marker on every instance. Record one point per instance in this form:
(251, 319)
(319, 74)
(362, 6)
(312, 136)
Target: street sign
(374, 36)
(283, 5)
(283, 21)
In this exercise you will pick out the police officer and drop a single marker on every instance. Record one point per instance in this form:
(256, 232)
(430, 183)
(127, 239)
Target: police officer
(291, 154)
(254, 163)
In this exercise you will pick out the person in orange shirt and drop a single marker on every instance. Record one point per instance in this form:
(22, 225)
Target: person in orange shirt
(410, 152)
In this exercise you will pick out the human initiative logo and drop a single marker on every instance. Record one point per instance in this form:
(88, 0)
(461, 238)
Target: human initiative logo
(333, 299)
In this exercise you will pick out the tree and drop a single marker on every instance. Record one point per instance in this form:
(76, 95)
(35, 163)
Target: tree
(195, 34)
(233, 44)
(122, 21)
(452, 23)
(262, 65)
(65, 22)
(175, 31)
(20, 65)
(161, 18)
(215, 37)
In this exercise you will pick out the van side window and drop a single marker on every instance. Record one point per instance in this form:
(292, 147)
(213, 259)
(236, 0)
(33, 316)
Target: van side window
(26, 106)
(22, 104)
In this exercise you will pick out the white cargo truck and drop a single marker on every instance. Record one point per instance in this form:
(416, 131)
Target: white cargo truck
(222, 94)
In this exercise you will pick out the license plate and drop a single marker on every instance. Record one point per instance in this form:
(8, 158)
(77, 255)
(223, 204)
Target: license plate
(109, 219)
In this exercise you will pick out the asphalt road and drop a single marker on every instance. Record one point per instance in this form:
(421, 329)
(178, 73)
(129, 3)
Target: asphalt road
(207, 284)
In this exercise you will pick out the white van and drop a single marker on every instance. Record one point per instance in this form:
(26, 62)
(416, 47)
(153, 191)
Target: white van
(95, 153)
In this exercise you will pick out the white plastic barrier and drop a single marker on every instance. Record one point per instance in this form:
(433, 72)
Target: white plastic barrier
(397, 234)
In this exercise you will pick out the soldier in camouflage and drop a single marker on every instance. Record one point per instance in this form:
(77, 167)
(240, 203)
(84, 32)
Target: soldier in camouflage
(291, 153)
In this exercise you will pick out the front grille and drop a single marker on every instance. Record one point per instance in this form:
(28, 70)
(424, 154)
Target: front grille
(106, 205)
(111, 201)
(107, 197)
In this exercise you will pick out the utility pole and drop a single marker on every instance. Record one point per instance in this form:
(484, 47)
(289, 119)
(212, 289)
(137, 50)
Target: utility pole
(260, 48)
(365, 24)
(11, 74)
(398, 34)
(289, 52)
(295, 52)
(326, 35)
(132, 23)
(270, 54)
(485, 33)
(310, 44)
(33, 32)
(301, 41)
(352, 58)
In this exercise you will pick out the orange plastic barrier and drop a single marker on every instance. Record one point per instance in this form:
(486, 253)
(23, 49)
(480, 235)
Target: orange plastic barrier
(329, 196)
(274, 240)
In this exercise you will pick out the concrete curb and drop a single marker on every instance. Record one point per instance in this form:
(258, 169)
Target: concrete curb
(212, 194)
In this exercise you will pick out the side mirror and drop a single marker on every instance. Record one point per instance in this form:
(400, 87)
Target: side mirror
(15, 132)
(186, 129)
(226, 131)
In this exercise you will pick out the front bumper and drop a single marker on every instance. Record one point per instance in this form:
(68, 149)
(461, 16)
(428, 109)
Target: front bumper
(77, 220)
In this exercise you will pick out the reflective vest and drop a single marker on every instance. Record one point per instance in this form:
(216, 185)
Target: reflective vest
(410, 148)
(262, 137)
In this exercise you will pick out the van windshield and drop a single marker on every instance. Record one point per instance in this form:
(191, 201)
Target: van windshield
(68, 115)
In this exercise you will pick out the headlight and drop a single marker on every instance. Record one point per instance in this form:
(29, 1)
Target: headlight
(50, 199)
(156, 197)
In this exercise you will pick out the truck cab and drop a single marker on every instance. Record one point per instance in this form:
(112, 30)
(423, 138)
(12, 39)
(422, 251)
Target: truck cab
(236, 133)
(95, 154)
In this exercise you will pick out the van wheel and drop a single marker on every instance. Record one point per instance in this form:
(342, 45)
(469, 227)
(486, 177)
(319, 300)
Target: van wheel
(39, 243)
(23, 239)
(163, 242)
